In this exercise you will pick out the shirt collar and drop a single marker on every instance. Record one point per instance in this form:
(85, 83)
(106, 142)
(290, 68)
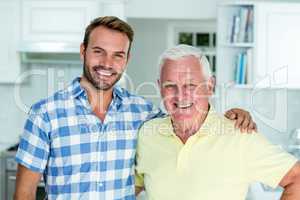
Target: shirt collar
(75, 90)
(209, 126)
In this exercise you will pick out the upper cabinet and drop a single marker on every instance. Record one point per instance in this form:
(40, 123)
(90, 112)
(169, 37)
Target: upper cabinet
(9, 40)
(58, 25)
(57, 20)
(278, 43)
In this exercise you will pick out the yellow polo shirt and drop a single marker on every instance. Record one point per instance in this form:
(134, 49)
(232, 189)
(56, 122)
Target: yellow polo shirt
(217, 163)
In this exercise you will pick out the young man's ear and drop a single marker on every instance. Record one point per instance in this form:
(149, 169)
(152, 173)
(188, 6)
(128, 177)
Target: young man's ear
(82, 51)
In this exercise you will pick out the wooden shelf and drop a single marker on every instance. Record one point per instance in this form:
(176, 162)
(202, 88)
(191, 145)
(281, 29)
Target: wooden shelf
(238, 45)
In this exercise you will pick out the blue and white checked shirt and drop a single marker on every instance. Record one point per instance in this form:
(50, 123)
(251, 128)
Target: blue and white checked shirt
(79, 156)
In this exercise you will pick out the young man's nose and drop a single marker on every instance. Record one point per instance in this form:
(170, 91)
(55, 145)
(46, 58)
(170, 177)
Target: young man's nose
(108, 62)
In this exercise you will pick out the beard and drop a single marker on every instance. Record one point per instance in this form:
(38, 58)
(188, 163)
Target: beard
(91, 75)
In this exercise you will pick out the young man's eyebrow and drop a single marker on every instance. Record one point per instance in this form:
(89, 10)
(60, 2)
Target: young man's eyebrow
(117, 52)
(97, 48)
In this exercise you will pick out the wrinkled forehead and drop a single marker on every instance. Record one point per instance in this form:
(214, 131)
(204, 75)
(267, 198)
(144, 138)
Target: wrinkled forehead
(185, 68)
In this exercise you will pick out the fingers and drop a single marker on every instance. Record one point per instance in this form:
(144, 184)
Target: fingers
(230, 115)
(239, 121)
(255, 127)
(246, 123)
(252, 127)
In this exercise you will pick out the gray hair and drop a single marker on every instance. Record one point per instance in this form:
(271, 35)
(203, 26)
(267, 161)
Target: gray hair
(184, 50)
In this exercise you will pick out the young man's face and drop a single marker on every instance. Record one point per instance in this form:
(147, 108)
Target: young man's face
(105, 57)
(184, 89)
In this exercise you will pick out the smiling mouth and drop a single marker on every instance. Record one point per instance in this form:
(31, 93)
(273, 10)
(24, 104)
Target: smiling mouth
(184, 105)
(103, 72)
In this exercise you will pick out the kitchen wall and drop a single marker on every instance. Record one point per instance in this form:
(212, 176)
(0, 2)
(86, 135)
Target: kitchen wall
(16, 99)
(150, 41)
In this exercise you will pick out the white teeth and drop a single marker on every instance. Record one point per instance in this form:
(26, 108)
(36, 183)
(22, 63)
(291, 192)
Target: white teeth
(184, 105)
(104, 72)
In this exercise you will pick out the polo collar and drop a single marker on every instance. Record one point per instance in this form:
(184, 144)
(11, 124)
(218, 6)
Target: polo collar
(211, 124)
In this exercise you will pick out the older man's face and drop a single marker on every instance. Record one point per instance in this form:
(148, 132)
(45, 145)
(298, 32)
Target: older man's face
(184, 89)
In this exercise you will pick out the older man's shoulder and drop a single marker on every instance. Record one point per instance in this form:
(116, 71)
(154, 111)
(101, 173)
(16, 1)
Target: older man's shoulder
(155, 127)
(217, 124)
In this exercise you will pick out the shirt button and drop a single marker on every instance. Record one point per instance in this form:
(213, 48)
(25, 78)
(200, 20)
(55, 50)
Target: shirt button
(94, 128)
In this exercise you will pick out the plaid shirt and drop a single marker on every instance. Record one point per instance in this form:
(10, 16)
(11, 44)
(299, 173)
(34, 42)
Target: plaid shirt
(79, 156)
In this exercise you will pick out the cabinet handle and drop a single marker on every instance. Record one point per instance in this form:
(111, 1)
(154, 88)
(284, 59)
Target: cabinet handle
(12, 178)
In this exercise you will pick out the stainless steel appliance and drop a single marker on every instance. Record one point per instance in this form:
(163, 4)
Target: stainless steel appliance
(9, 169)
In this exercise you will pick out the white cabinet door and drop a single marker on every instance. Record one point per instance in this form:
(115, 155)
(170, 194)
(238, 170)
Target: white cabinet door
(278, 44)
(57, 20)
(9, 38)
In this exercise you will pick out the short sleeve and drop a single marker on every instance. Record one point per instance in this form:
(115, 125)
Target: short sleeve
(139, 179)
(34, 145)
(265, 162)
(140, 161)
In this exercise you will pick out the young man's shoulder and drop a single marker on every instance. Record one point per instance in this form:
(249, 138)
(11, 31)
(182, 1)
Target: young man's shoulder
(50, 103)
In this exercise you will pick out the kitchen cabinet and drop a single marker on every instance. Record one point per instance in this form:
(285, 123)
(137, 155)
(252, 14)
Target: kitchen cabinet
(278, 43)
(57, 21)
(58, 26)
(9, 39)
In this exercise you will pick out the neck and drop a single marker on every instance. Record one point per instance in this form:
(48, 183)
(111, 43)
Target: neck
(98, 99)
(184, 129)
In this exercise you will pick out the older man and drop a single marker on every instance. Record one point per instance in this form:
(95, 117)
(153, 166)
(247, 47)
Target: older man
(195, 153)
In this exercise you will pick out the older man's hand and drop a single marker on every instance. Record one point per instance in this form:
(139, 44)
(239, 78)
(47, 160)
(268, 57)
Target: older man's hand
(243, 119)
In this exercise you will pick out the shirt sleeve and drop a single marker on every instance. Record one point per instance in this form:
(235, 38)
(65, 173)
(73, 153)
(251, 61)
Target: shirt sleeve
(139, 179)
(266, 163)
(34, 145)
(139, 159)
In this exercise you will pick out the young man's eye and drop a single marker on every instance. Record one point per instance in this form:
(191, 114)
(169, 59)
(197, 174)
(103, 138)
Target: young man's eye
(98, 52)
(119, 56)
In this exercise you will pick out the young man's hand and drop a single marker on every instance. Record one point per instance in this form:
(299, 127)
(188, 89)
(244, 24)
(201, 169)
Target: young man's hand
(243, 119)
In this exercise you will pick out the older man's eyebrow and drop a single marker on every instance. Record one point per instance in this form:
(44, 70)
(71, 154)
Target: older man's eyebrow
(167, 83)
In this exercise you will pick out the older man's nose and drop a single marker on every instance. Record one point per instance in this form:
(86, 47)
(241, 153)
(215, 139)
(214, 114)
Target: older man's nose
(181, 94)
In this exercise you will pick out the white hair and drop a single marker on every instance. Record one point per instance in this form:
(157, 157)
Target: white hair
(183, 50)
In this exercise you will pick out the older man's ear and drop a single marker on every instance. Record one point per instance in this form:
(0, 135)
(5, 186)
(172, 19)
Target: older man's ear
(211, 82)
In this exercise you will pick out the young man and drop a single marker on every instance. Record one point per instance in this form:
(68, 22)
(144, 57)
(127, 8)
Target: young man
(82, 140)
(198, 153)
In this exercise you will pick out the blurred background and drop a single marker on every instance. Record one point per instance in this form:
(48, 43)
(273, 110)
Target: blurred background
(252, 47)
